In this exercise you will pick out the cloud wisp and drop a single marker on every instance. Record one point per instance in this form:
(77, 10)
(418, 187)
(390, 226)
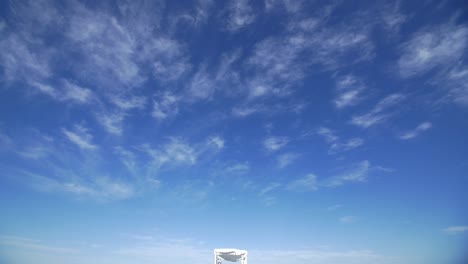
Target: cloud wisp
(416, 131)
(455, 230)
(381, 111)
(336, 144)
(80, 136)
(275, 143)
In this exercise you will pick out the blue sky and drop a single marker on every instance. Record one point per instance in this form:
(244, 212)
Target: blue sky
(302, 131)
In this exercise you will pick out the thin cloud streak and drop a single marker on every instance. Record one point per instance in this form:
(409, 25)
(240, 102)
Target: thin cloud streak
(416, 131)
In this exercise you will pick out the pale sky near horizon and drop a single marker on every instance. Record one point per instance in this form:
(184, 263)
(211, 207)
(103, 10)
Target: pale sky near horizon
(306, 132)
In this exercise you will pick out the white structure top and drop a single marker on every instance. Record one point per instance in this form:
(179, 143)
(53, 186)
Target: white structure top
(230, 254)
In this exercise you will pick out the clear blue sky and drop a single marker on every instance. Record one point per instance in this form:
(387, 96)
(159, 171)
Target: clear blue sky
(137, 132)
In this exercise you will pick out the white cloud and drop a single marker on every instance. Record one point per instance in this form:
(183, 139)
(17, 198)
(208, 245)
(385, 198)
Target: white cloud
(349, 219)
(281, 62)
(240, 14)
(165, 105)
(259, 90)
(107, 47)
(334, 45)
(328, 134)
(416, 131)
(357, 173)
(76, 93)
(127, 157)
(286, 159)
(348, 91)
(456, 81)
(80, 136)
(179, 151)
(243, 111)
(379, 113)
(269, 188)
(455, 230)
(238, 169)
(34, 152)
(266, 193)
(128, 102)
(203, 11)
(202, 85)
(306, 183)
(216, 141)
(169, 59)
(291, 6)
(336, 144)
(275, 143)
(392, 17)
(175, 151)
(100, 188)
(441, 47)
(20, 61)
(277, 66)
(112, 122)
(351, 144)
(46, 89)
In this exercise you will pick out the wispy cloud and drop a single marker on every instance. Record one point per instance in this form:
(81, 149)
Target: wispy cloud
(238, 168)
(392, 17)
(336, 144)
(34, 152)
(100, 188)
(379, 113)
(202, 86)
(80, 136)
(165, 105)
(129, 102)
(107, 45)
(216, 141)
(240, 14)
(349, 219)
(348, 91)
(266, 193)
(76, 93)
(286, 159)
(45, 88)
(111, 121)
(20, 61)
(175, 151)
(127, 157)
(247, 110)
(328, 134)
(455, 230)
(269, 188)
(416, 131)
(433, 47)
(306, 183)
(272, 143)
(291, 6)
(457, 82)
(357, 173)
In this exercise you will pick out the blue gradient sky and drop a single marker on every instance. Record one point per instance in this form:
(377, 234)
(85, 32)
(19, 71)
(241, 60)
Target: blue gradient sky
(302, 131)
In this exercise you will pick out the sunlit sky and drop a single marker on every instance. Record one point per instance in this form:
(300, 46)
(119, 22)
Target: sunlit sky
(306, 132)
